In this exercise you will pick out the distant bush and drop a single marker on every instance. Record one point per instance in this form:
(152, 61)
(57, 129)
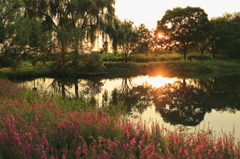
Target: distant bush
(90, 63)
(10, 61)
(112, 57)
(122, 68)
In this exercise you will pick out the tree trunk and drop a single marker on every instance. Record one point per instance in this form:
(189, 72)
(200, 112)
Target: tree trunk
(185, 52)
(63, 91)
(125, 57)
(76, 89)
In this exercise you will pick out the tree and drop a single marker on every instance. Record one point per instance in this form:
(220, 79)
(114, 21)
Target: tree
(130, 39)
(71, 23)
(225, 37)
(146, 40)
(126, 38)
(234, 36)
(10, 11)
(233, 17)
(13, 32)
(182, 27)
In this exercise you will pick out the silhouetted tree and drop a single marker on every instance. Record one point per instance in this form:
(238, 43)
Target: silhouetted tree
(126, 38)
(146, 40)
(182, 27)
(225, 38)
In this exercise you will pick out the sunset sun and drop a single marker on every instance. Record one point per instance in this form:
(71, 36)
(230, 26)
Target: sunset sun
(160, 35)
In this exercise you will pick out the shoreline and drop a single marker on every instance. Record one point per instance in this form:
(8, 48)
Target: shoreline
(122, 69)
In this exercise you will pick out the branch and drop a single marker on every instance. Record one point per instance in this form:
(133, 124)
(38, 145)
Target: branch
(50, 19)
(84, 21)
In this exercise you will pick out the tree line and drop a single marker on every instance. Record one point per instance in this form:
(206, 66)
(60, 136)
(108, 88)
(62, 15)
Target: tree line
(189, 28)
(59, 31)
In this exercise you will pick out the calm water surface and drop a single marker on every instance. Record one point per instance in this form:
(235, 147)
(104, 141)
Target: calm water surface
(170, 101)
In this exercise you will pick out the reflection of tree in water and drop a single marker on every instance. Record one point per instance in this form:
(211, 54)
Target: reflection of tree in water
(91, 87)
(88, 88)
(136, 98)
(61, 87)
(105, 96)
(179, 103)
(224, 93)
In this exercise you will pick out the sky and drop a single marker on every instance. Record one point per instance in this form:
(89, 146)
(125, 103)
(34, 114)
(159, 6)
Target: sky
(150, 11)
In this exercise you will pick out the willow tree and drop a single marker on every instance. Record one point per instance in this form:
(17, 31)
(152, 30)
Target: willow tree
(182, 27)
(71, 22)
(14, 31)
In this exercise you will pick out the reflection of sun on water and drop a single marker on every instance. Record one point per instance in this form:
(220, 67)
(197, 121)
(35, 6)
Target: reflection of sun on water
(157, 81)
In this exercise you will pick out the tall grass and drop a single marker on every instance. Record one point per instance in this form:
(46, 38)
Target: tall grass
(43, 127)
(143, 58)
(25, 73)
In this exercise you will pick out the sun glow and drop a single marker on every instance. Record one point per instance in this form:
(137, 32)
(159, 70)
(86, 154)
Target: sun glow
(160, 35)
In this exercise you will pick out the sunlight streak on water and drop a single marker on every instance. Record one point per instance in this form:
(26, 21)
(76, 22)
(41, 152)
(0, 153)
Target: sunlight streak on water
(156, 82)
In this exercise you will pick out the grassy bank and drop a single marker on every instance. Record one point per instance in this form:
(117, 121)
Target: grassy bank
(26, 72)
(46, 127)
(120, 69)
(188, 68)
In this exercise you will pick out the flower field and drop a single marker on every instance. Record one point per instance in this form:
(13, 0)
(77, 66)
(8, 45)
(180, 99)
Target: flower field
(39, 127)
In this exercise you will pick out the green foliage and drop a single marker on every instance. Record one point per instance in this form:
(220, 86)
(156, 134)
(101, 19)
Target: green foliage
(10, 11)
(152, 57)
(111, 57)
(122, 69)
(127, 38)
(34, 30)
(61, 69)
(90, 63)
(182, 27)
(10, 60)
(185, 67)
(14, 33)
(24, 73)
(116, 69)
(112, 109)
(225, 37)
(205, 66)
(146, 40)
(131, 39)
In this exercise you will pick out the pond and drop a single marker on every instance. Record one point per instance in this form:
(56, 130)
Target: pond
(171, 101)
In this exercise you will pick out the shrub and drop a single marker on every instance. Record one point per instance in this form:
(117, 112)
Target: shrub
(10, 61)
(90, 63)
